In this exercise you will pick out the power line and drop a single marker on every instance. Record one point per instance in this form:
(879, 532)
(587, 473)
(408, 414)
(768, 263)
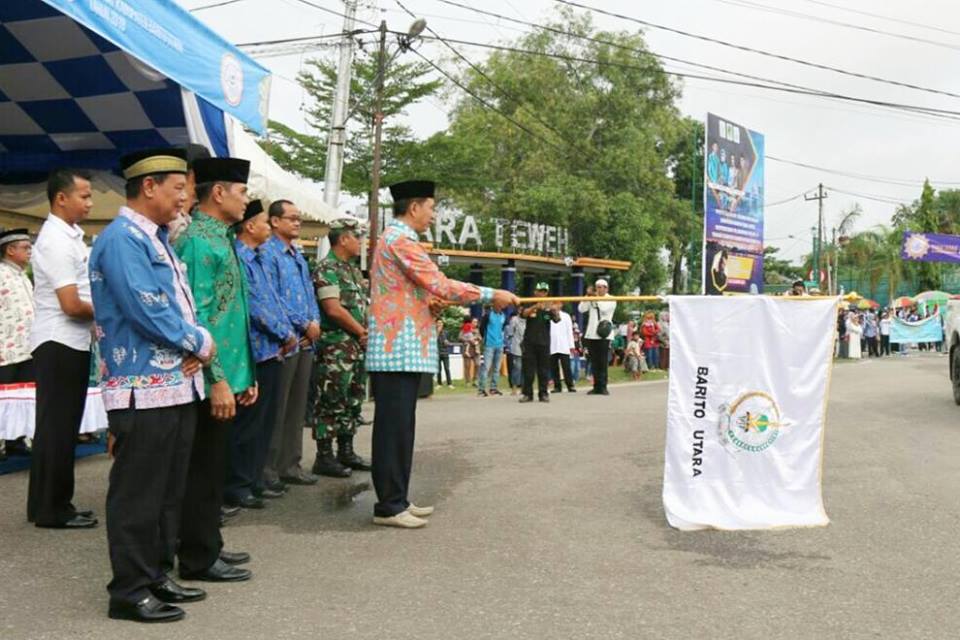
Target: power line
(953, 115)
(860, 176)
(214, 5)
(661, 56)
(483, 74)
(782, 87)
(486, 104)
(777, 56)
(334, 13)
(883, 17)
(877, 198)
(747, 4)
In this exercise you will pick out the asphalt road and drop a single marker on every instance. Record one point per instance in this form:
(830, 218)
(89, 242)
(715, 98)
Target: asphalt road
(549, 524)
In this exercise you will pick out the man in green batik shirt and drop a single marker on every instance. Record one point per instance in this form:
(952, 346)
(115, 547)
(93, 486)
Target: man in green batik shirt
(219, 289)
(337, 394)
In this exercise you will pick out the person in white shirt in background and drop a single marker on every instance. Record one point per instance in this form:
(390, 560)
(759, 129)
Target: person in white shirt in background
(561, 345)
(16, 312)
(598, 347)
(60, 340)
(885, 323)
(16, 307)
(854, 331)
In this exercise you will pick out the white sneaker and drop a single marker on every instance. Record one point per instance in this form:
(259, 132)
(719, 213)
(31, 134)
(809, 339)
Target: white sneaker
(419, 512)
(403, 520)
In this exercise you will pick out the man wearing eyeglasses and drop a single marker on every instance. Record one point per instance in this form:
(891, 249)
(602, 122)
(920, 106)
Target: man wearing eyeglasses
(289, 274)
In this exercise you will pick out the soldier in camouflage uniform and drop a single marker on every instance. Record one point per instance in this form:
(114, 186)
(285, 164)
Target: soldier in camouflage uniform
(338, 388)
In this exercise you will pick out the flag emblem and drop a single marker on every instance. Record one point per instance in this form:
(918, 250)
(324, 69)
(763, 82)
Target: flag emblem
(751, 423)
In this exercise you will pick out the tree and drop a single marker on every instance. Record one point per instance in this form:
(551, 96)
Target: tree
(306, 155)
(685, 231)
(779, 271)
(595, 151)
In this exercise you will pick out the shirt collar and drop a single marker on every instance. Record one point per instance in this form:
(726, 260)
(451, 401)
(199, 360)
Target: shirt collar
(207, 219)
(71, 230)
(405, 229)
(145, 224)
(244, 251)
(282, 246)
(12, 265)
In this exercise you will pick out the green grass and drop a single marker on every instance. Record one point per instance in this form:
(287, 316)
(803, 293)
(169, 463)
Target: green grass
(615, 375)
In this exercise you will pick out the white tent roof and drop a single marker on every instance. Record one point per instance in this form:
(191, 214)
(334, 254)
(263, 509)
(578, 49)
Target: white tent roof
(269, 181)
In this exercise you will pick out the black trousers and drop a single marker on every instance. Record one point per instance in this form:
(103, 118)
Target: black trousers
(394, 426)
(62, 375)
(200, 539)
(19, 372)
(599, 361)
(147, 480)
(561, 361)
(885, 345)
(872, 347)
(443, 366)
(536, 362)
(250, 436)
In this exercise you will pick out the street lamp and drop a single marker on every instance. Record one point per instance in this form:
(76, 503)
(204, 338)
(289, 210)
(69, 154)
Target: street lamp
(405, 41)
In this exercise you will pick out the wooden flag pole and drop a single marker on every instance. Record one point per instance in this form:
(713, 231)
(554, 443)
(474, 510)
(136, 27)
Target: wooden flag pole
(594, 299)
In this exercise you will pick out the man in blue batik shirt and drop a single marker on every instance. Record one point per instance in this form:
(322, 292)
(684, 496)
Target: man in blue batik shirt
(289, 274)
(271, 337)
(152, 349)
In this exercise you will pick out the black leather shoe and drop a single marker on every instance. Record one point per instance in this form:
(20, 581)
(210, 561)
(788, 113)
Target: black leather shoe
(172, 593)
(594, 392)
(526, 399)
(226, 511)
(304, 479)
(76, 522)
(572, 390)
(220, 571)
(544, 398)
(149, 609)
(235, 557)
(604, 393)
(252, 502)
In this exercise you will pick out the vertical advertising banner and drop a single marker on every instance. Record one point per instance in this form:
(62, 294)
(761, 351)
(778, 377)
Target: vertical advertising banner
(733, 209)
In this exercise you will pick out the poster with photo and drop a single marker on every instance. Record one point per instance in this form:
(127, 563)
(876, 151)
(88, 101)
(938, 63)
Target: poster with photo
(733, 208)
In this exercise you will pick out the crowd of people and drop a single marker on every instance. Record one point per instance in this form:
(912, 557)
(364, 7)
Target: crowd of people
(866, 333)
(215, 344)
(543, 344)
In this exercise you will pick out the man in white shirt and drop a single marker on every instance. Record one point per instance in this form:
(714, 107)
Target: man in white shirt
(561, 343)
(599, 315)
(16, 308)
(60, 340)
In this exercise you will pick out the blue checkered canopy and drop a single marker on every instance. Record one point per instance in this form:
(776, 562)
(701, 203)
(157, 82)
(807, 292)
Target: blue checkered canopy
(85, 81)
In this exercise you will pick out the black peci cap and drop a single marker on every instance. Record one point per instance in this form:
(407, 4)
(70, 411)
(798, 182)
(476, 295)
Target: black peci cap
(221, 170)
(254, 209)
(413, 189)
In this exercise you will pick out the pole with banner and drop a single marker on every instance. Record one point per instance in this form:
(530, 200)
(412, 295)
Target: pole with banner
(733, 188)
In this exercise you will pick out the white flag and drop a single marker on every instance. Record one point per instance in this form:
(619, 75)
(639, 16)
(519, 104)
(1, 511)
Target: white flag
(749, 377)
